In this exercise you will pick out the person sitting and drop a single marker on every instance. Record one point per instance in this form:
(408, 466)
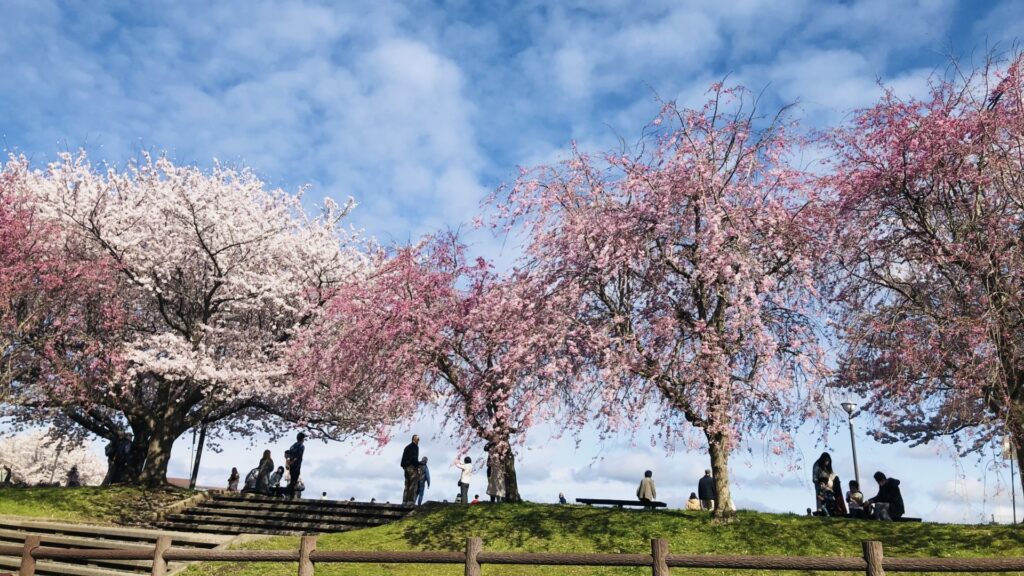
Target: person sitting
(274, 483)
(855, 500)
(838, 502)
(251, 480)
(561, 498)
(693, 503)
(646, 492)
(888, 503)
(476, 499)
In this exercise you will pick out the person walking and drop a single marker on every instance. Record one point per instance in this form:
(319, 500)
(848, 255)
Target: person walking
(410, 465)
(293, 459)
(233, 480)
(646, 492)
(466, 466)
(424, 481)
(706, 491)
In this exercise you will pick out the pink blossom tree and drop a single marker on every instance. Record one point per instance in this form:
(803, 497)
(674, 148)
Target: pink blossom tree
(431, 327)
(37, 457)
(930, 267)
(52, 295)
(690, 260)
(214, 273)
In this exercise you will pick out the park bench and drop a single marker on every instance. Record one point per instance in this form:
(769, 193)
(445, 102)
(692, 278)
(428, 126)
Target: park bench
(619, 503)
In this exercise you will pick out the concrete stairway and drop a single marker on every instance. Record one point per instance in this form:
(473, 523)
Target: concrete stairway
(225, 513)
(64, 535)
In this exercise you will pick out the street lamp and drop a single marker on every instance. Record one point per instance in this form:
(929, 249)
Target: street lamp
(850, 408)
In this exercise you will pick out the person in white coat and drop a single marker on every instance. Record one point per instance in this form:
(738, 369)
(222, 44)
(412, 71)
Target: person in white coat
(466, 467)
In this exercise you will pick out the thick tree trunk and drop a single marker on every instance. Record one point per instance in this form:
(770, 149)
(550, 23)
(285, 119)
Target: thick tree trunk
(511, 484)
(158, 455)
(719, 453)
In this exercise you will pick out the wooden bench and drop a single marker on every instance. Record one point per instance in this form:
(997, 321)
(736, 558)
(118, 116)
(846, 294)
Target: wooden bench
(619, 503)
(906, 519)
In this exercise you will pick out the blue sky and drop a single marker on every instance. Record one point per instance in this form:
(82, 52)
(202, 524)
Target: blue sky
(419, 109)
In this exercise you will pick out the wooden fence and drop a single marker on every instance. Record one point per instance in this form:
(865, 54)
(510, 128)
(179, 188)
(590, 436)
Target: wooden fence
(872, 563)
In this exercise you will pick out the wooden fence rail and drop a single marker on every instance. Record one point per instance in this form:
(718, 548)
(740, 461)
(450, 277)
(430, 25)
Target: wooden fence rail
(872, 563)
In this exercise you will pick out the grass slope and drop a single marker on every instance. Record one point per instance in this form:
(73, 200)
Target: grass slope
(550, 528)
(93, 504)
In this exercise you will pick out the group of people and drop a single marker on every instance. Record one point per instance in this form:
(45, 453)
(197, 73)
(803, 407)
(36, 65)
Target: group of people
(417, 475)
(264, 479)
(830, 500)
(704, 498)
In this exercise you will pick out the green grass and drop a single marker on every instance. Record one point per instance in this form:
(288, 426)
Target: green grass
(106, 505)
(551, 528)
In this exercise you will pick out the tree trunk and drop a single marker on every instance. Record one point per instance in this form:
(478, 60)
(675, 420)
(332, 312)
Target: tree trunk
(158, 455)
(719, 451)
(199, 456)
(511, 484)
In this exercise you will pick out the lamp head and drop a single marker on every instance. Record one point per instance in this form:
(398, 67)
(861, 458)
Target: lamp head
(850, 408)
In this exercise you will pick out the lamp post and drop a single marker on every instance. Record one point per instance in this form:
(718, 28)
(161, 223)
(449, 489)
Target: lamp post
(850, 408)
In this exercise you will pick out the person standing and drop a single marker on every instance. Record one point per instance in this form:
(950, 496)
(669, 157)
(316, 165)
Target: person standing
(822, 476)
(646, 492)
(706, 491)
(293, 459)
(466, 466)
(233, 480)
(263, 473)
(424, 481)
(410, 464)
(495, 475)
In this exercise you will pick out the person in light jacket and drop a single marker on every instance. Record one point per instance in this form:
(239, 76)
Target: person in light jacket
(646, 492)
(466, 467)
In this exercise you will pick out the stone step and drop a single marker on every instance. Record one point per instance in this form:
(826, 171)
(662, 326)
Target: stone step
(243, 524)
(229, 513)
(232, 530)
(282, 506)
(320, 504)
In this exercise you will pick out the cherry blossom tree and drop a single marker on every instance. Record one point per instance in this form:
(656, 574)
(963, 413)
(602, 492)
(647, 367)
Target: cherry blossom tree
(52, 294)
(214, 274)
(38, 457)
(690, 259)
(929, 278)
(431, 326)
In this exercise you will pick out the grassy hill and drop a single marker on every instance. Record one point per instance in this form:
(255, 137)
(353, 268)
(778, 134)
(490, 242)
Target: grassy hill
(551, 528)
(106, 505)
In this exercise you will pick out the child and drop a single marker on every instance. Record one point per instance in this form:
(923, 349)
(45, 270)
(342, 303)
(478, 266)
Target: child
(855, 500)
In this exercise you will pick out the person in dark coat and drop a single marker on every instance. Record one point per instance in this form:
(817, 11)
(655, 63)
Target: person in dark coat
(293, 459)
(410, 465)
(422, 481)
(888, 504)
(706, 491)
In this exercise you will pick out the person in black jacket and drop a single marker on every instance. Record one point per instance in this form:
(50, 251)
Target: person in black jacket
(293, 459)
(706, 491)
(410, 464)
(888, 504)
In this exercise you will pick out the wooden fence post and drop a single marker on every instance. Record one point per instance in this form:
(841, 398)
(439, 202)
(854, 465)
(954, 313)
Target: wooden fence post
(159, 564)
(28, 563)
(306, 547)
(659, 552)
(873, 556)
(473, 547)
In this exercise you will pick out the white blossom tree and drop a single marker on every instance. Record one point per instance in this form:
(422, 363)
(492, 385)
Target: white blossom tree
(215, 273)
(38, 457)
